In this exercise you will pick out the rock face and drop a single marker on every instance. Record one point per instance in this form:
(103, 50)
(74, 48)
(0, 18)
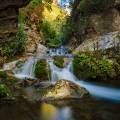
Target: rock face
(9, 18)
(64, 89)
(101, 19)
(99, 43)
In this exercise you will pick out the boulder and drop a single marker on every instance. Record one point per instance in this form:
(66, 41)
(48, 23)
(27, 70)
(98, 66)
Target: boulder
(41, 51)
(65, 89)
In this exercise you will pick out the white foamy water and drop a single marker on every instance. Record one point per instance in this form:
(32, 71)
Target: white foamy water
(27, 70)
(96, 90)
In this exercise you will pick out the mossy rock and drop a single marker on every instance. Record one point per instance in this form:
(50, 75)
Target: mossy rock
(69, 50)
(59, 61)
(65, 89)
(41, 70)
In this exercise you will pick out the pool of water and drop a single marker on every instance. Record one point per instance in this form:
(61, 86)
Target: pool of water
(61, 110)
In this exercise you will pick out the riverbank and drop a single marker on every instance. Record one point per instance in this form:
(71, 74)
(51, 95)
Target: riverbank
(97, 65)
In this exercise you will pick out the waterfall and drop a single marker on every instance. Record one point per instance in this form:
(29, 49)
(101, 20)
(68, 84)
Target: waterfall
(101, 91)
(96, 90)
(27, 70)
(58, 73)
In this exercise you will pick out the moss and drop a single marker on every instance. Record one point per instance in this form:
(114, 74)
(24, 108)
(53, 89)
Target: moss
(59, 61)
(88, 67)
(41, 70)
(69, 50)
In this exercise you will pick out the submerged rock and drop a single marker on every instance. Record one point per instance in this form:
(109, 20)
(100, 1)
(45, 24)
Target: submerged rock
(65, 89)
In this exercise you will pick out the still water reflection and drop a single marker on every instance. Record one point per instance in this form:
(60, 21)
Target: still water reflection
(61, 110)
(50, 112)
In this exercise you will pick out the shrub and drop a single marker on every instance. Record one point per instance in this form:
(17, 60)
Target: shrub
(59, 61)
(84, 67)
(106, 69)
(88, 67)
(41, 70)
(50, 35)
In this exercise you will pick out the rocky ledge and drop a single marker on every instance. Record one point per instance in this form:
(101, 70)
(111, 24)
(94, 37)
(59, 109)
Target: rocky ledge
(9, 18)
(65, 89)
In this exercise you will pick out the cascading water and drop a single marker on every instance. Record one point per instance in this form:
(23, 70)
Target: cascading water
(58, 74)
(27, 70)
(96, 90)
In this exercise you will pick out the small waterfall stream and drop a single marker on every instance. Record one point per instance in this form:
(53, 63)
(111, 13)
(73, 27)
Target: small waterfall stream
(66, 73)
(96, 90)
(27, 70)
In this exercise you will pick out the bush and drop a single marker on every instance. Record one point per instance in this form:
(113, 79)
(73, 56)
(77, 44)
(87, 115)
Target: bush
(106, 69)
(3, 91)
(88, 67)
(41, 70)
(59, 61)
(50, 35)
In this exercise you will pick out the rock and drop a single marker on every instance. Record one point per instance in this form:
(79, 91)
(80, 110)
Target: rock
(10, 66)
(9, 18)
(98, 23)
(34, 38)
(14, 64)
(27, 82)
(65, 89)
(42, 84)
(41, 50)
(98, 43)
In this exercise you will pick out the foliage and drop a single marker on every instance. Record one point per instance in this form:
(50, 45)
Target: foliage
(106, 69)
(69, 50)
(11, 49)
(88, 67)
(59, 61)
(68, 29)
(3, 74)
(50, 35)
(3, 91)
(41, 70)
(51, 25)
(93, 5)
(34, 3)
